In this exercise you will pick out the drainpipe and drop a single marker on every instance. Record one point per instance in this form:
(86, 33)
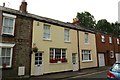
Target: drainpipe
(78, 49)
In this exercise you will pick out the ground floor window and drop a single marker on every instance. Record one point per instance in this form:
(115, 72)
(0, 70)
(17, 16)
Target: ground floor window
(6, 51)
(57, 55)
(86, 55)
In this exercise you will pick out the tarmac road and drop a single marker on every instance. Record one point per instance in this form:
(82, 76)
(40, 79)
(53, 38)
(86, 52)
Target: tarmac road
(101, 75)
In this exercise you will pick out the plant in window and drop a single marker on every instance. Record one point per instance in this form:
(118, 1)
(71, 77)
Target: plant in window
(4, 65)
(53, 60)
(63, 60)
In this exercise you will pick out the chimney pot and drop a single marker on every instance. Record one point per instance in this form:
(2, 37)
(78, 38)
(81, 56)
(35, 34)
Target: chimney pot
(23, 0)
(76, 21)
(23, 7)
(3, 4)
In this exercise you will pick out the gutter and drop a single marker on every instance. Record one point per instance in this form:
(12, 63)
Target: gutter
(78, 49)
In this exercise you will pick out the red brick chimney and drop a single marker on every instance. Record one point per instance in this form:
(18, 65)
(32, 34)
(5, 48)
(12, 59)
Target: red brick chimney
(23, 6)
(76, 21)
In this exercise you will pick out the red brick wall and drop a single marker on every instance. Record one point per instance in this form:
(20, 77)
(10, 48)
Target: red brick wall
(106, 47)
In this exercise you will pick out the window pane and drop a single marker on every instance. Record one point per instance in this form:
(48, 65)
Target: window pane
(3, 52)
(10, 22)
(63, 53)
(46, 32)
(8, 25)
(86, 55)
(66, 34)
(40, 62)
(8, 51)
(51, 53)
(6, 21)
(3, 60)
(36, 54)
(40, 58)
(86, 37)
(36, 62)
(7, 60)
(57, 53)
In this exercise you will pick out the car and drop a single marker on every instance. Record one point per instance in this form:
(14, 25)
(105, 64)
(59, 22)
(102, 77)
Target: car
(114, 72)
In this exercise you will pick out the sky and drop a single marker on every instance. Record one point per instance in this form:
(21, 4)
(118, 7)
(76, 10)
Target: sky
(66, 10)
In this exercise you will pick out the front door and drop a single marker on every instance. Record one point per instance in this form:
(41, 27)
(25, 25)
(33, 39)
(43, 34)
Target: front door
(38, 64)
(101, 59)
(74, 62)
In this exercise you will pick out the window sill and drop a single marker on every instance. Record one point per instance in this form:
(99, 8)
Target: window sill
(59, 63)
(7, 35)
(87, 61)
(67, 41)
(86, 43)
(47, 40)
(7, 67)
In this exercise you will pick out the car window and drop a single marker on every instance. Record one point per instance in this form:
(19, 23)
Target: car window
(116, 68)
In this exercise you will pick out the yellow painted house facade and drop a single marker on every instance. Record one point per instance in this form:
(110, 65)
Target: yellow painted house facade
(59, 46)
(87, 47)
(57, 49)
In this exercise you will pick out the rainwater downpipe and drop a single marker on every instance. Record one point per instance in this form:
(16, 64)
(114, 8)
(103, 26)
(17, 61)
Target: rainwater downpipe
(78, 49)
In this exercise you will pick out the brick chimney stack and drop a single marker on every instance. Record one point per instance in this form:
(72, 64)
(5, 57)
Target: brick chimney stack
(76, 21)
(23, 6)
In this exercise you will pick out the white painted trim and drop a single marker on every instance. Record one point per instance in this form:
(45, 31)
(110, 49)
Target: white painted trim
(9, 15)
(87, 61)
(10, 58)
(6, 45)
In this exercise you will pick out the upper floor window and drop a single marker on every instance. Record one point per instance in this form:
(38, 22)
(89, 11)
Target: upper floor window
(66, 35)
(46, 34)
(8, 24)
(86, 37)
(110, 39)
(103, 38)
(118, 41)
(6, 51)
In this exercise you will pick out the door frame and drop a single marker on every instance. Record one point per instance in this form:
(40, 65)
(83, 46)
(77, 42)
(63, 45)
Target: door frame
(41, 66)
(99, 59)
(75, 64)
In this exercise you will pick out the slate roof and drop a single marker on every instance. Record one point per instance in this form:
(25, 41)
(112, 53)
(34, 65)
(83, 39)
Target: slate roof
(44, 19)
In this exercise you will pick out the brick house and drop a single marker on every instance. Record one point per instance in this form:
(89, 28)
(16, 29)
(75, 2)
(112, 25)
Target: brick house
(15, 45)
(107, 48)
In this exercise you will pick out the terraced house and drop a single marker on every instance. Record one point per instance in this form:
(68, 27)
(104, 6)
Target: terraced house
(15, 45)
(33, 45)
(108, 49)
(61, 47)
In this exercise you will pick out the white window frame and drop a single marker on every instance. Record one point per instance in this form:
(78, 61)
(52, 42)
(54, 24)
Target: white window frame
(67, 35)
(6, 45)
(110, 39)
(5, 15)
(54, 54)
(102, 38)
(47, 32)
(118, 42)
(89, 55)
(86, 38)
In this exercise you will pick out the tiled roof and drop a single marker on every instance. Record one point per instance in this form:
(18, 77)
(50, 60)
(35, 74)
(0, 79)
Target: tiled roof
(44, 19)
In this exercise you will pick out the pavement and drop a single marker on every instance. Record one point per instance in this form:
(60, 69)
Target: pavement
(65, 75)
